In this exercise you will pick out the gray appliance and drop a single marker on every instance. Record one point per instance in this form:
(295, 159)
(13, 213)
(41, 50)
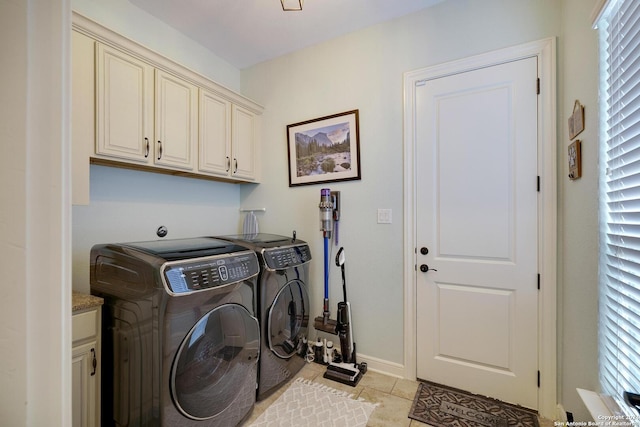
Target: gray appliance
(180, 338)
(283, 305)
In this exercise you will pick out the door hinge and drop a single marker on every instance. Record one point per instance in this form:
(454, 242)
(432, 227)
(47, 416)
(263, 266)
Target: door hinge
(538, 379)
(538, 182)
(538, 281)
(538, 86)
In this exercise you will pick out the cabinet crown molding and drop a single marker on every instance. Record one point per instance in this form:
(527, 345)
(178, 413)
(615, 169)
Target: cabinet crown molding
(109, 37)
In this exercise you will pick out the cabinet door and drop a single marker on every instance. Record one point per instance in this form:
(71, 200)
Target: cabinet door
(244, 144)
(124, 105)
(84, 386)
(176, 121)
(215, 135)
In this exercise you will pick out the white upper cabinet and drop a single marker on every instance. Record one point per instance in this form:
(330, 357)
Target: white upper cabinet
(244, 144)
(228, 139)
(176, 121)
(124, 106)
(215, 135)
(153, 114)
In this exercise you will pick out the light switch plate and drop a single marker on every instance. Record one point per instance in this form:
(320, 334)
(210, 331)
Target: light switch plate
(384, 216)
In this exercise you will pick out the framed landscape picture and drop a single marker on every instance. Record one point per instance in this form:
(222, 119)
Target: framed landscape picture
(323, 150)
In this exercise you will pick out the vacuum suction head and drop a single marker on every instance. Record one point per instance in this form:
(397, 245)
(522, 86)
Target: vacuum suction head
(325, 324)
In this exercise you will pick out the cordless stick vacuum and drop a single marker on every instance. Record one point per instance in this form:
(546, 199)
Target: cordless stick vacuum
(324, 323)
(348, 371)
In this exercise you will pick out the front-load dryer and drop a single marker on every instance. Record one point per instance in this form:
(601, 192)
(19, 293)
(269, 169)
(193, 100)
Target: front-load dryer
(283, 305)
(180, 338)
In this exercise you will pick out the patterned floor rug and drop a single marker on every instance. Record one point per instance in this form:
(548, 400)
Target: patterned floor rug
(307, 404)
(442, 406)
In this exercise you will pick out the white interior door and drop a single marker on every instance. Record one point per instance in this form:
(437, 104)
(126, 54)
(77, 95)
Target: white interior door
(476, 224)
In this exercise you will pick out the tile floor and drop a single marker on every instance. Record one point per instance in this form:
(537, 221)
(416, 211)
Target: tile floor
(394, 396)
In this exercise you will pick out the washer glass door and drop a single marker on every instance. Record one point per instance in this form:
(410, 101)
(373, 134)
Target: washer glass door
(212, 363)
(288, 319)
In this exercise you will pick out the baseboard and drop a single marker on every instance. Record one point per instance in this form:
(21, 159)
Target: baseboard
(382, 366)
(561, 414)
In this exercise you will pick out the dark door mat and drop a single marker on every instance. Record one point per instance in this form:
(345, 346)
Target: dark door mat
(441, 406)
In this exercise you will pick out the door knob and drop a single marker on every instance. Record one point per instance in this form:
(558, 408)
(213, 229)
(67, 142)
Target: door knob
(424, 250)
(424, 268)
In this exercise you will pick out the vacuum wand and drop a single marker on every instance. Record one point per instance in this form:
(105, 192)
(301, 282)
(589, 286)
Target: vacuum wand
(325, 311)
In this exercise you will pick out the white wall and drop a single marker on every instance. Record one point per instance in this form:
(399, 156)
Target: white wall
(364, 70)
(35, 302)
(13, 340)
(578, 210)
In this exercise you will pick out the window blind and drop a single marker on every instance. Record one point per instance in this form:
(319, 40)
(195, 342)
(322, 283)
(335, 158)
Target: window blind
(619, 306)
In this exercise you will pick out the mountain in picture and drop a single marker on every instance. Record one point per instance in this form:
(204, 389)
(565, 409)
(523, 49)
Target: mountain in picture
(320, 138)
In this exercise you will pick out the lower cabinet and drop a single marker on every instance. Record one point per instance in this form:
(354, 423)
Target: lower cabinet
(86, 368)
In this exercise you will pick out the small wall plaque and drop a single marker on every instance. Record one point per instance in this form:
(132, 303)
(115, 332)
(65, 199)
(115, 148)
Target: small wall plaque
(576, 121)
(575, 160)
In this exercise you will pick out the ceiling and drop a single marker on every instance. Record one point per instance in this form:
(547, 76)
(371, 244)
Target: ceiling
(246, 32)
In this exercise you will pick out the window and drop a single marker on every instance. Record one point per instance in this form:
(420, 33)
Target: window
(619, 332)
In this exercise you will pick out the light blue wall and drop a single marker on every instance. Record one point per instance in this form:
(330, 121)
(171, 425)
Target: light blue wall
(138, 25)
(364, 70)
(129, 206)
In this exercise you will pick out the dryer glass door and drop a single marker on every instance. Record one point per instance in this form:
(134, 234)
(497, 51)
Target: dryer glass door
(288, 319)
(213, 361)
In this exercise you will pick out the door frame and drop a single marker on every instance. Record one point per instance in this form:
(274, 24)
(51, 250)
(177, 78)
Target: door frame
(545, 51)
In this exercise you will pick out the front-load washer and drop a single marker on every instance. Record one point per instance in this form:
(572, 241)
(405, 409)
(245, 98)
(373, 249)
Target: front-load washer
(283, 305)
(180, 338)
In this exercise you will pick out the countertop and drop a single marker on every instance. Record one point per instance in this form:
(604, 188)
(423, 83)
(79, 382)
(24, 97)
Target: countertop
(82, 301)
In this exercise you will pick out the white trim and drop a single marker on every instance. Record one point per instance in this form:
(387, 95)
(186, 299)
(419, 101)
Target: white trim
(598, 10)
(382, 366)
(47, 213)
(545, 51)
(608, 410)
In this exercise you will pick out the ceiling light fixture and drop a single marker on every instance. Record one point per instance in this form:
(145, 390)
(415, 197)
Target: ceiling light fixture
(291, 5)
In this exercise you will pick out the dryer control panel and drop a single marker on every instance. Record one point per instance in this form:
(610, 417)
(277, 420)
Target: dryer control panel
(290, 256)
(200, 274)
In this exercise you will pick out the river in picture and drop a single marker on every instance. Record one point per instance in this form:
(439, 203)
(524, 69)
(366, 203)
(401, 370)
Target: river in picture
(322, 163)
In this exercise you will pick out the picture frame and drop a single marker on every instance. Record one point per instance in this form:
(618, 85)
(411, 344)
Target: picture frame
(326, 149)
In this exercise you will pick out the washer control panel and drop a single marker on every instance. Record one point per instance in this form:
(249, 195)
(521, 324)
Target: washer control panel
(290, 256)
(194, 275)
